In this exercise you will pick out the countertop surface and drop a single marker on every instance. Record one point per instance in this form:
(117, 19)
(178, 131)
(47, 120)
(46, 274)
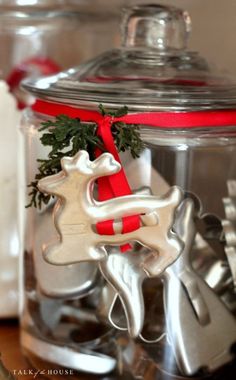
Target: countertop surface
(14, 360)
(9, 345)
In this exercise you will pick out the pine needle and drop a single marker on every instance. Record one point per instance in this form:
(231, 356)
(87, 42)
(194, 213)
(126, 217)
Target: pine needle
(66, 136)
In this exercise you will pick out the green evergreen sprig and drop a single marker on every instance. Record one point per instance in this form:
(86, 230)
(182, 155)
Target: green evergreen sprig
(66, 136)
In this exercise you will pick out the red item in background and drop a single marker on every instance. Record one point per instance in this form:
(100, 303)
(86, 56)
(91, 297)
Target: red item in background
(33, 66)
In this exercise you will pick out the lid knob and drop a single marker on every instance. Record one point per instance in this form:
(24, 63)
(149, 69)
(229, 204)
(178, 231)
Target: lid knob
(156, 26)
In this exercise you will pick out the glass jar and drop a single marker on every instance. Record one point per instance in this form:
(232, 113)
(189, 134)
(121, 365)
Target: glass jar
(174, 323)
(30, 32)
(33, 29)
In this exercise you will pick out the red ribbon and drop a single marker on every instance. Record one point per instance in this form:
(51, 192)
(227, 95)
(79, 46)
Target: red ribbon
(197, 119)
(117, 185)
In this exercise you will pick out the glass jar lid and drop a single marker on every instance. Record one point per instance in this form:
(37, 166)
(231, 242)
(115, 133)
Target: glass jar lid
(153, 70)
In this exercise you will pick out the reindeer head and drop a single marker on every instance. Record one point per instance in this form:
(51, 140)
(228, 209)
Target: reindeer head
(51, 185)
(78, 166)
(102, 166)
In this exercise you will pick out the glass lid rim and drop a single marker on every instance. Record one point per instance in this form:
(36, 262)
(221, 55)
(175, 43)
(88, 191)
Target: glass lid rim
(167, 104)
(75, 80)
(136, 102)
(110, 88)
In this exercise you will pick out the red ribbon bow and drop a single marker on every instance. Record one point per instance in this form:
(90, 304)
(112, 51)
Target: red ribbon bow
(117, 185)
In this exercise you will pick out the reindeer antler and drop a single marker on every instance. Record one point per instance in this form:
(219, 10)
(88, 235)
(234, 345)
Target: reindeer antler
(102, 166)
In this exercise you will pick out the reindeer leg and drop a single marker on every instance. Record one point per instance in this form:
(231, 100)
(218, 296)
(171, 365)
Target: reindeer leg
(75, 249)
(126, 277)
(163, 256)
(165, 249)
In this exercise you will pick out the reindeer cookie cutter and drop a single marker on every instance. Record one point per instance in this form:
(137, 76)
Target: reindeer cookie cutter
(76, 213)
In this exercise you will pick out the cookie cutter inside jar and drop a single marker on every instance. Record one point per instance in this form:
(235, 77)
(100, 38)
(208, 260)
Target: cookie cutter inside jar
(29, 36)
(154, 72)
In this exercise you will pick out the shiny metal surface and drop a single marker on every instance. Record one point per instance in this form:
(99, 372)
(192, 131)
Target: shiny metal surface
(82, 360)
(63, 282)
(107, 300)
(200, 328)
(76, 213)
(218, 277)
(210, 228)
(231, 256)
(229, 226)
(126, 275)
(123, 272)
(53, 311)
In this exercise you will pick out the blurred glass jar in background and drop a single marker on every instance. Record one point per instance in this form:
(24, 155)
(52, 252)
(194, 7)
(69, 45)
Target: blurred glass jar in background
(67, 32)
(37, 37)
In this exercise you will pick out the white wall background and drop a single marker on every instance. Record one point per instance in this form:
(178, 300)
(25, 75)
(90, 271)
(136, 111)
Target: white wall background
(214, 28)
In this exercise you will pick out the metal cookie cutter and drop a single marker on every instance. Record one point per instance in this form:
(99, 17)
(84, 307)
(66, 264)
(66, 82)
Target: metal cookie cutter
(126, 273)
(77, 212)
(63, 282)
(126, 278)
(209, 256)
(122, 300)
(51, 338)
(83, 360)
(199, 327)
(229, 226)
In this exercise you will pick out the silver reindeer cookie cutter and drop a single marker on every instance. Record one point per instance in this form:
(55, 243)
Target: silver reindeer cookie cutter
(76, 213)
